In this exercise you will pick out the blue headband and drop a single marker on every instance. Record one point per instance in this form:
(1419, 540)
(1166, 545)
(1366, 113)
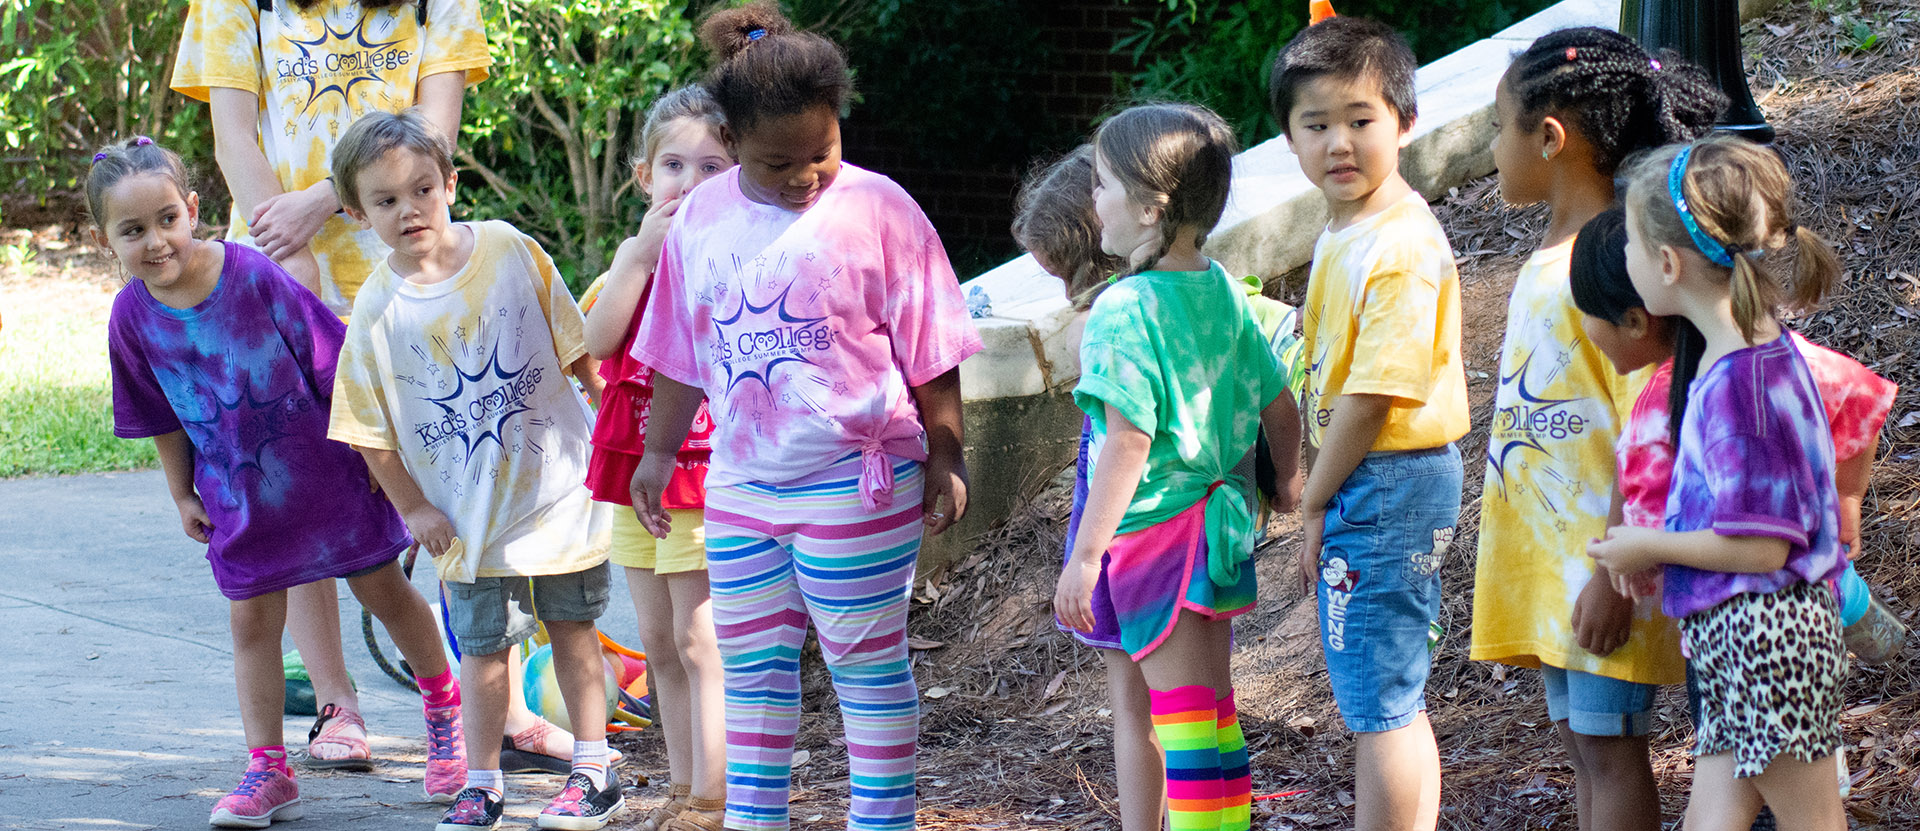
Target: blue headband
(1676, 178)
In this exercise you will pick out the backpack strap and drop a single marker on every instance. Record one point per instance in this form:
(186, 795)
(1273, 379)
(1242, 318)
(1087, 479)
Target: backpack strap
(266, 5)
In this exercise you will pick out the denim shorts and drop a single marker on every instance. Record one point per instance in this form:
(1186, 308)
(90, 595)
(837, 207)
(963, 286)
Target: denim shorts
(1595, 705)
(1387, 532)
(493, 613)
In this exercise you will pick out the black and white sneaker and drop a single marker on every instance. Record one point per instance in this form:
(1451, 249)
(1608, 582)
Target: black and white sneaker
(582, 807)
(473, 808)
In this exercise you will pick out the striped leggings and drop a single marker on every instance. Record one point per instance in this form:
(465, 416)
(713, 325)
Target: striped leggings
(779, 556)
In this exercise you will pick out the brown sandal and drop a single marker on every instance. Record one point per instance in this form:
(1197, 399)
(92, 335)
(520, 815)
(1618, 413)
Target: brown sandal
(700, 815)
(677, 796)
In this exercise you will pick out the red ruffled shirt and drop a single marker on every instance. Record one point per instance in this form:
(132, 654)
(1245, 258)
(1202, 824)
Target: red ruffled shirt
(620, 433)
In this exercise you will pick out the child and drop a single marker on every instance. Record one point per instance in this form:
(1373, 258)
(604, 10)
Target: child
(450, 387)
(813, 304)
(1569, 109)
(1386, 397)
(667, 578)
(1752, 521)
(1169, 523)
(228, 364)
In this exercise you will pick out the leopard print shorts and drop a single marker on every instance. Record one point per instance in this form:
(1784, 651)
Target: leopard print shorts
(1769, 668)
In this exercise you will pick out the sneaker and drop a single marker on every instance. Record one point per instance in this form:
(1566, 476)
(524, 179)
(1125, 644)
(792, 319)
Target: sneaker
(264, 795)
(446, 754)
(581, 807)
(472, 808)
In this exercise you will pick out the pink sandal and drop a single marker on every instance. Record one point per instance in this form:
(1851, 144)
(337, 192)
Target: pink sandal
(335, 727)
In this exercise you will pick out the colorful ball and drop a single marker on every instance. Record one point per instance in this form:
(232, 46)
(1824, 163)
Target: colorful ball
(542, 688)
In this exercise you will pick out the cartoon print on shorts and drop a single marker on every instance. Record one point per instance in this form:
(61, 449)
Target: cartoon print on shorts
(1422, 565)
(1340, 582)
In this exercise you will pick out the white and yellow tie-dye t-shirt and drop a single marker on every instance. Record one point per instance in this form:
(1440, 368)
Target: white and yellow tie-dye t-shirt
(1550, 474)
(1382, 317)
(463, 378)
(315, 71)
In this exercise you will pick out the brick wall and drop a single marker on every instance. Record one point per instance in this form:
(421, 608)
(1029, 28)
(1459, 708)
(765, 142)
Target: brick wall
(972, 207)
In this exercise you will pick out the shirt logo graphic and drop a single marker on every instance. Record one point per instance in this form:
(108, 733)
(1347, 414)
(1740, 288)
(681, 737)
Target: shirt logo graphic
(345, 59)
(479, 405)
(757, 338)
(1533, 419)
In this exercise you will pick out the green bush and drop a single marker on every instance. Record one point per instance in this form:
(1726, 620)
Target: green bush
(547, 139)
(73, 78)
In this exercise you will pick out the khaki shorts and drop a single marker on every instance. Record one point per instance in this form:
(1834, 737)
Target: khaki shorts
(685, 549)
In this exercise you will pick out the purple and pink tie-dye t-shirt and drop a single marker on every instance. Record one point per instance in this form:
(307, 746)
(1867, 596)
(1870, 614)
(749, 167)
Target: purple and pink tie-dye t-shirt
(806, 330)
(1755, 459)
(248, 374)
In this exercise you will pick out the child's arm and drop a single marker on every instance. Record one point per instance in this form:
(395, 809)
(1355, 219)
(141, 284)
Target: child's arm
(1850, 475)
(674, 406)
(428, 525)
(280, 223)
(1281, 420)
(939, 402)
(1115, 477)
(586, 370)
(1629, 550)
(176, 460)
(1352, 428)
(627, 280)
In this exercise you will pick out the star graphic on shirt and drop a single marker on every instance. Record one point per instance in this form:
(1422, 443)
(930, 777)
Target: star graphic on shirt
(1529, 404)
(241, 429)
(841, 388)
(749, 320)
(495, 422)
(361, 55)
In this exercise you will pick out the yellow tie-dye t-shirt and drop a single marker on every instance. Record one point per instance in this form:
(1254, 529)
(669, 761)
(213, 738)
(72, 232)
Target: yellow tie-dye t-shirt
(1550, 474)
(1382, 317)
(464, 378)
(315, 71)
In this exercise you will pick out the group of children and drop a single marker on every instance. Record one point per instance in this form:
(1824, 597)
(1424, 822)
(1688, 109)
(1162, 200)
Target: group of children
(774, 356)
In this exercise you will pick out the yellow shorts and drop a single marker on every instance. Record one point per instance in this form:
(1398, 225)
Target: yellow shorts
(683, 550)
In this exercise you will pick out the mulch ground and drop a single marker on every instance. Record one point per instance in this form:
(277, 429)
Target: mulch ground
(1016, 731)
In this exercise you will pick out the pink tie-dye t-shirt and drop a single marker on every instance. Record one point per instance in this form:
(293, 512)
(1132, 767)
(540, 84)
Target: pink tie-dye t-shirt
(1856, 401)
(806, 330)
(1756, 459)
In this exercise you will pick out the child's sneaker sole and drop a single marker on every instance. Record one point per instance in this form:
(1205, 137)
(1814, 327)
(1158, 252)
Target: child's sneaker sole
(223, 818)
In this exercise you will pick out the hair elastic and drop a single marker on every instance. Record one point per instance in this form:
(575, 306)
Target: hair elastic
(1655, 63)
(1676, 179)
(1572, 53)
(138, 141)
(756, 33)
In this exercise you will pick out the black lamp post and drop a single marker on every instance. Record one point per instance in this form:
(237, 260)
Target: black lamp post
(1707, 32)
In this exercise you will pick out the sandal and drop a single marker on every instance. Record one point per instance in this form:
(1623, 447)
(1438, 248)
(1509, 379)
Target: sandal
(677, 796)
(530, 751)
(700, 815)
(335, 726)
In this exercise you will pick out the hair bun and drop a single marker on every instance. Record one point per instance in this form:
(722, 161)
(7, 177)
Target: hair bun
(729, 31)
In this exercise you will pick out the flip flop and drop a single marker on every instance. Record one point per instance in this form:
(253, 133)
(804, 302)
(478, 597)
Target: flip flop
(330, 728)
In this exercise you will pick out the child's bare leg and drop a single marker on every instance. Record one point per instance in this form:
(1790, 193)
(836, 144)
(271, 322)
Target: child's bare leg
(257, 623)
(1397, 778)
(1719, 802)
(1614, 777)
(483, 707)
(699, 651)
(1195, 652)
(1804, 796)
(1139, 762)
(583, 681)
(406, 617)
(313, 619)
(653, 606)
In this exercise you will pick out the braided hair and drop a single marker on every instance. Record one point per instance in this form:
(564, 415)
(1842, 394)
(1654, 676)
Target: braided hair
(1619, 98)
(1176, 157)
(766, 69)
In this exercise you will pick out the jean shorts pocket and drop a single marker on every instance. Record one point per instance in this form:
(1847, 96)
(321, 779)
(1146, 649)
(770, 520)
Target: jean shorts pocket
(1424, 538)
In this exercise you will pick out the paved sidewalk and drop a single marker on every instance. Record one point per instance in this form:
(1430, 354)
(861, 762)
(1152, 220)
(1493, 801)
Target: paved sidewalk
(117, 706)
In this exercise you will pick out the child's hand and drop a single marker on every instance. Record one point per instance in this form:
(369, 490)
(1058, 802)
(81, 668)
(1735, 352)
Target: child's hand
(194, 519)
(649, 482)
(1625, 551)
(1073, 596)
(1850, 524)
(944, 501)
(430, 528)
(1313, 527)
(1602, 618)
(646, 243)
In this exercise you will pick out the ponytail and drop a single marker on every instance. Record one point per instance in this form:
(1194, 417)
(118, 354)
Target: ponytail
(1815, 269)
(1750, 303)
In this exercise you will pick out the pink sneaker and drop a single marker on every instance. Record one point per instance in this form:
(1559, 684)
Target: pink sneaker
(263, 797)
(446, 754)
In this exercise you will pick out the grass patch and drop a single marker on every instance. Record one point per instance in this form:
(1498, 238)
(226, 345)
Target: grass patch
(55, 393)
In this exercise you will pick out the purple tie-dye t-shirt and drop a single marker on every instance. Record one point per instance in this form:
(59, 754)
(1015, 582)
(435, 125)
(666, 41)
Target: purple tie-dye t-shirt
(1756, 459)
(248, 373)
